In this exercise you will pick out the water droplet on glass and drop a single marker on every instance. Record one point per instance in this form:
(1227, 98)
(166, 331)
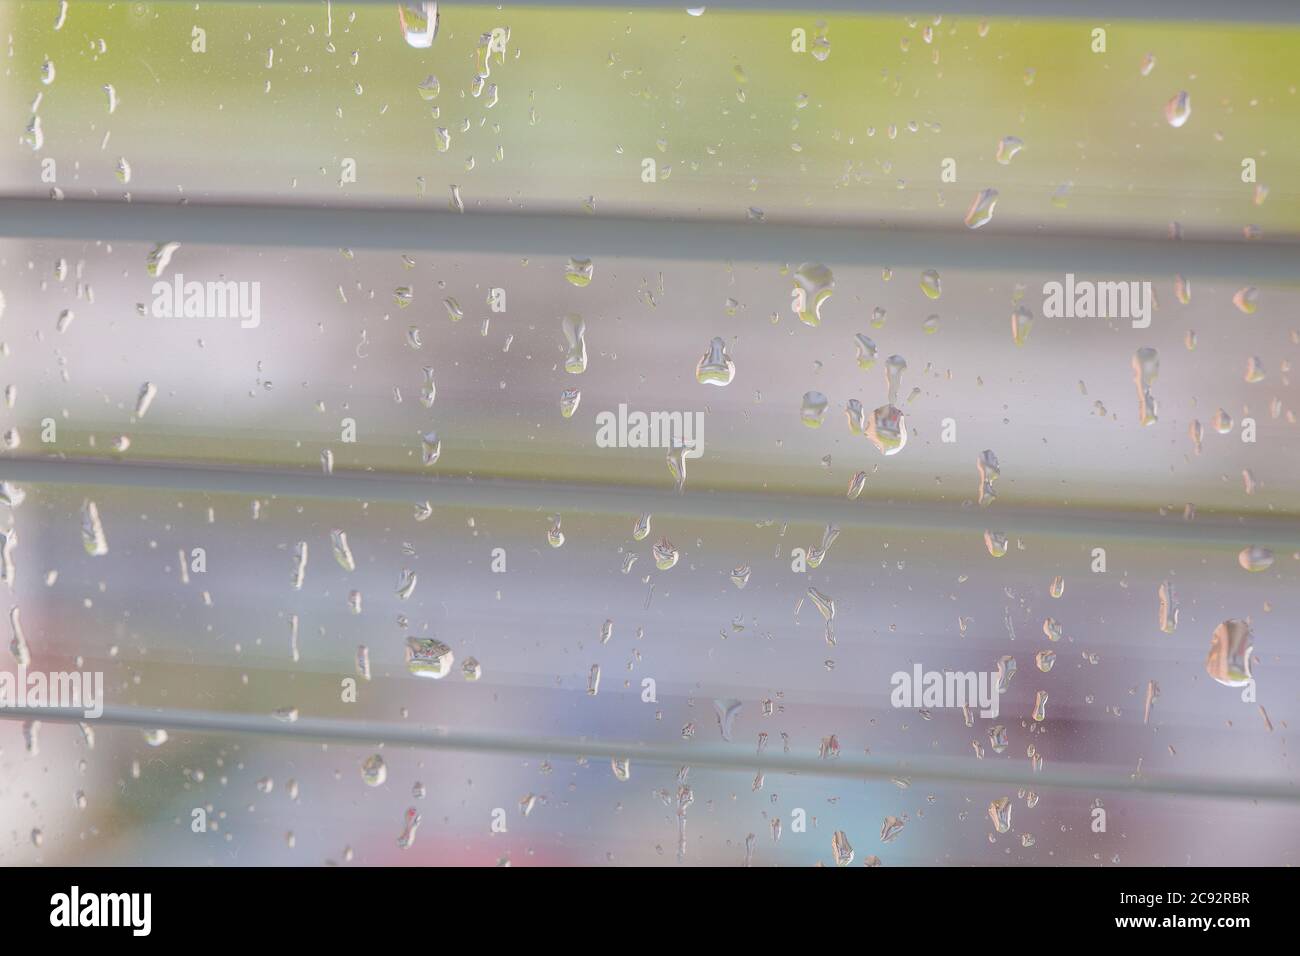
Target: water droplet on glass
(1000, 814)
(890, 829)
(374, 771)
(856, 484)
(1146, 366)
(430, 448)
(866, 350)
(813, 410)
(887, 430)
(930, 284)
(989, 473)
(665, 554)
(1040, 706)
(160, 257)
(342, 553)
(727, 711)
(92, 531)
(715, 366)
(419, 23)
(145, 398)
(814, 284)
(579, 272)
(406, 583)
(575, 356)
(1008, 146)
(426, 657)
(841, 849)
(1178, 109)
(1255, 558)
(411, 823)
(980, 212)
(1230, 649)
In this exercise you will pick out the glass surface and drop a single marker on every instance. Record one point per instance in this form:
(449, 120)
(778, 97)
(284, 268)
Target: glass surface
(175, 485)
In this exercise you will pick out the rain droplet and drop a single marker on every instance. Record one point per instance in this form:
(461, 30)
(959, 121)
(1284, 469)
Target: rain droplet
(145, 398)
(374, 771)
(1040, 706)
(160, 258)
(1255, 558)
(1230, 649)
(410, 824)
(996, 542)
(575, 330)
(813, 410)
(406, 583)
(1008, 146)
(1178, 109)
(419, 26)
(1000, 814)
(930, 284)
(727, 711)
(980, 212)
(569, 399)
(1168, 617)
(866, 351)
(579, 272)
(426, 657)
(1146, 366)
(814, 284)
(989, 473)
(1022, 321)
(342, 553)
(856, 484)
(665, 554)
(715, 366)
(887, 430)
(841, 849)
(92, 531)
(430, 448)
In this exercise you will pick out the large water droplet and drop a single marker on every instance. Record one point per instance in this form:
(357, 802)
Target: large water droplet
(374, 771)
(989, 473)
(813, 410)
(841, 849)
(980, 212)
(814, 284)
(931, 284)
(887, 430)
(92, 531)
(715, 366)
(579, 272)
(575, 356)
(426, 657)
(1008, 146)
(1255, 558)
(1146, 366)
(419, 23)
(1230, 649)
(1178, 109)
(1000, 814)
(342, 553)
